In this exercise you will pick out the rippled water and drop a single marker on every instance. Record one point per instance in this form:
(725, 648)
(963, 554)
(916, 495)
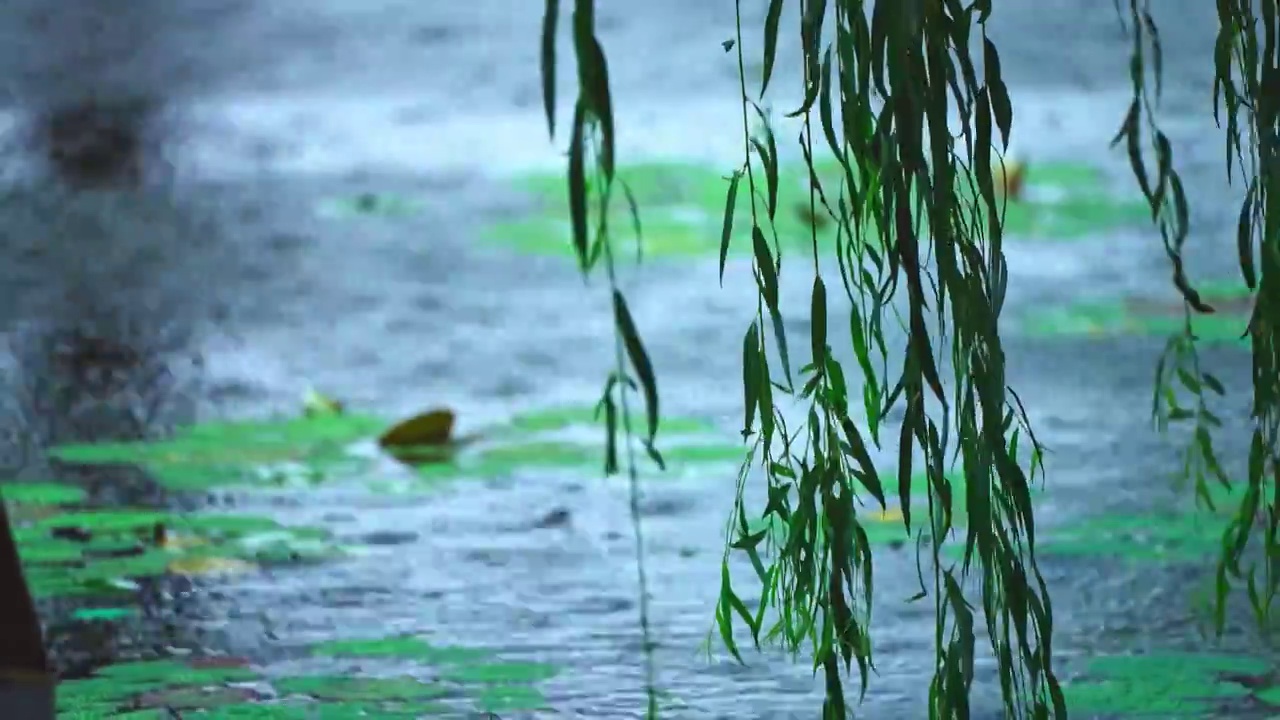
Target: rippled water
(282, 107)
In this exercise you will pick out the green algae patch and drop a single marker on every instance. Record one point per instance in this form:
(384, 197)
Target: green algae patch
(682, 209)
(1231, 300)
(1173, 685)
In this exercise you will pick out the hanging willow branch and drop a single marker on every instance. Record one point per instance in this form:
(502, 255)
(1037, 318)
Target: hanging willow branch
(1247, 87)
(914, 209)
(908, 192)
(591, 152)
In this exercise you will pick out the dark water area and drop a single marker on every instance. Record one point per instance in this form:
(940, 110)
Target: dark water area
(205, 283)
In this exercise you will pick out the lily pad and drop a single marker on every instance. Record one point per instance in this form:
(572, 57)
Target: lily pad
(406, 648)
(682, 208)
(359, 689)
(30, 493)
(1147, 317)
(502, 673)
(118, 686)
(193, 698)
(100, 552)
(173, 673)
(104, 614)
(509, 698)
(236, 453)
(290, 710)
(1180, 685)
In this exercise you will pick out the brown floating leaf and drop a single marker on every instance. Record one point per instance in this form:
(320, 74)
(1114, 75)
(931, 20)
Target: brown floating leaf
(1012, 179)
(432, 430)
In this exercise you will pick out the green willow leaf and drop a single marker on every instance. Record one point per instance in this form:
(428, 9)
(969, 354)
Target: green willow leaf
(578, 187)
(770, 42)
(818, 321)
(639, 360)
(726, 231)
(550, 19)
(751, 374)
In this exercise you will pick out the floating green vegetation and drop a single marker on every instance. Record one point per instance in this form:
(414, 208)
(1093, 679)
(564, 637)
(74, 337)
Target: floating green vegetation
(495, 685)
(682, 208)
(1185, 533)
(566, 440)
(316, 448)
(240, 453)
(234, 691)
(1170, 686)
(141, 686)
(42, 494)
(340, 687)
(402, 648)
(1131, 316)
(100, 553)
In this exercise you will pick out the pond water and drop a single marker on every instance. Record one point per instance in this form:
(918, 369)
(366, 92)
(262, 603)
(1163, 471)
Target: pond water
(347, 208)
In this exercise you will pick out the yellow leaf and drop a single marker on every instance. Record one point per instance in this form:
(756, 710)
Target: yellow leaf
(174, 541)
(1011, 178)
(888, 515)
(431, 429)
(210, 566)
(315, 404)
